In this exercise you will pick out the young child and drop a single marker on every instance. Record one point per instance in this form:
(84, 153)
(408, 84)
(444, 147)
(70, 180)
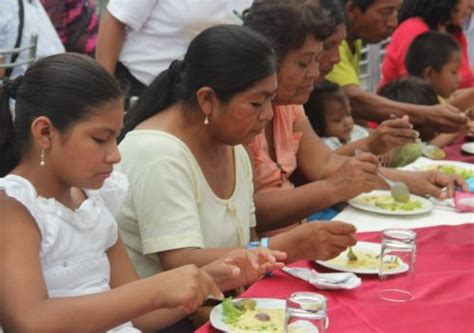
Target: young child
(329, 112)
(435, 57)
(63, 266)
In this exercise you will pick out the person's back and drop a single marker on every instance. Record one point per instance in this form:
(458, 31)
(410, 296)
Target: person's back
(35, 22)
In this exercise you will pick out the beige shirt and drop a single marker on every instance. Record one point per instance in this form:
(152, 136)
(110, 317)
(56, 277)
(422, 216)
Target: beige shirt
(170, 204)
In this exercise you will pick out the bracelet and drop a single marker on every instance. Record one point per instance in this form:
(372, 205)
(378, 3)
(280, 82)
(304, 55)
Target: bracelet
(254, 244)
(264, 242)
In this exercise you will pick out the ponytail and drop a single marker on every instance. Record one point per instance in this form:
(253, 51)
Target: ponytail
(9, 154)
(158, 96)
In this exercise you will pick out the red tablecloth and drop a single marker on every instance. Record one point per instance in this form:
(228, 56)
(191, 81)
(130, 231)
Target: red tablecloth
(444, 290)
(454, 153)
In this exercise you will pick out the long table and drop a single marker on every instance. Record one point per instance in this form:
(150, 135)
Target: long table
(444, 289)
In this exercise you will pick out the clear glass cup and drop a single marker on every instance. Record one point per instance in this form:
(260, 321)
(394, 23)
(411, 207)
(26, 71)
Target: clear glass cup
(397, 265)
(306, 312)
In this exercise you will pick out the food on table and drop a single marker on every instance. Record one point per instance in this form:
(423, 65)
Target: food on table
(366, 259)
(451, 170)
(245, 316)
(434, 152)
(406, 154)
(387, 202)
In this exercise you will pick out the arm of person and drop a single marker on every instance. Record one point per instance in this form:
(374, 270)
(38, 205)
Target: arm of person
(444, 139)
(369, 106)
(326, 187)
(463, 99)
(109, 41)
(26, 307)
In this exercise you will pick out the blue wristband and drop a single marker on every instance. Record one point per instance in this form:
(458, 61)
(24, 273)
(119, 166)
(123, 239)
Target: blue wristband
(264, 242)
(253, 245)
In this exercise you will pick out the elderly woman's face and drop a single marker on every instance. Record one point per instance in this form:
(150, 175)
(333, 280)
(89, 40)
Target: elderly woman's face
(461, 12)
(297, 72)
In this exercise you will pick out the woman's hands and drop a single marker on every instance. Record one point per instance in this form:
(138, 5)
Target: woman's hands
(356, 175)
(433, 183)
(315, 240)
(242, 267)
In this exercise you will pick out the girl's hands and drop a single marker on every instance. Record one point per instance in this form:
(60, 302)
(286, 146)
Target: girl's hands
(186, 288)
(242, 267)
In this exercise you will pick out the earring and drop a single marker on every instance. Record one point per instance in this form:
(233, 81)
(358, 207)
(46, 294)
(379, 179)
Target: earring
(206, 121)
(42, 161)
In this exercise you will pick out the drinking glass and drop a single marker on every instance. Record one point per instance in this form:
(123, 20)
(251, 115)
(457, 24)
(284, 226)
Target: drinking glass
(306, 312)
(397, 265)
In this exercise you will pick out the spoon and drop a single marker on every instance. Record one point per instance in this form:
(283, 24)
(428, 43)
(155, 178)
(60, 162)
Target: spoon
(398, 190)
(351, 255)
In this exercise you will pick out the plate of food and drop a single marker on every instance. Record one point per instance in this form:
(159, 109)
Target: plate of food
(249, 315)
(462, 169)
(468, 148)
(382, 202)
(256, 315)
(367, 262)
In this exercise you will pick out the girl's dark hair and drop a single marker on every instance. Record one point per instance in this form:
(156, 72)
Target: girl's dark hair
(410, 90)
(63, 87)
(226, 58)
(430, 49)
(287, 23)
(315, 107)
(433, 12)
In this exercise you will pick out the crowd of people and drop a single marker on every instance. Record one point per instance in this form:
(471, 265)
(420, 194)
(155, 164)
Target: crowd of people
(246, 121)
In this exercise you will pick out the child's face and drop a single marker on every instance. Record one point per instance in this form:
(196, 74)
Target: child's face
(446, 81)
(338, 119)
(84, 155)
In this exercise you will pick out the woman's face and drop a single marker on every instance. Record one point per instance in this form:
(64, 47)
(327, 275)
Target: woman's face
(298, 70)
(84, 155)
(461, 12)
(241, 119)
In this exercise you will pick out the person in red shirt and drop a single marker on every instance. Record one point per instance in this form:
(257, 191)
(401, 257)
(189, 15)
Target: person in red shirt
(419, 16)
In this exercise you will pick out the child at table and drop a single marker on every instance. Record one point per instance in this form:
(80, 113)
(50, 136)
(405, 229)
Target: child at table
(435, 57)
(329, 112)
(63, 264)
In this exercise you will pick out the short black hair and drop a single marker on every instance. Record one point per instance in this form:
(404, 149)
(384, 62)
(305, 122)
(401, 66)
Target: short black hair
(334, 9)
(430, 49)
(410, 90)
(287, 23)
(363, 5)
(432, 12)
(315, 107)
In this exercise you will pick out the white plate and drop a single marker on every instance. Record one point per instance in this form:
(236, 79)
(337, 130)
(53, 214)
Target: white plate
(357, 202)
(468, 147)
(263, 303)
(367, 246)
(423, 164)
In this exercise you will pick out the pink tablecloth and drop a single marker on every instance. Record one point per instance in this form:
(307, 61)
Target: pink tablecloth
(444, 290)
(454, 153)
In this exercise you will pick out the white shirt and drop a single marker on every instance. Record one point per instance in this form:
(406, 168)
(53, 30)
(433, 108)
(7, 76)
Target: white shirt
(36, 21)
(74, 243)
(170, 205)
(358, 132)
(159, 31)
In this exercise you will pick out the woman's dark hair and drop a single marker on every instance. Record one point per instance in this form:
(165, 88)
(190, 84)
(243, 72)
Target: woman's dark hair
(226, 58)
(315, 107)
(430, 49)
(63, 87)
(287, 23)
(410, 90)
(432, 12)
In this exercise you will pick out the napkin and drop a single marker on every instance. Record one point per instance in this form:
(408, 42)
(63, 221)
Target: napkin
(325, 280)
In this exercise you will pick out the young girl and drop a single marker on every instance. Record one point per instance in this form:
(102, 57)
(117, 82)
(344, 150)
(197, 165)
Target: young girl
(63, 266)
(329, 112)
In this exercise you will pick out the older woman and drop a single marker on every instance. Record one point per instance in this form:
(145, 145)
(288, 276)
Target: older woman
(289, 142)
(419, 16)
(191, 192)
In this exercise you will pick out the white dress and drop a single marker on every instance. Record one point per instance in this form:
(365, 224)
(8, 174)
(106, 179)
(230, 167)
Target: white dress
(74, 243)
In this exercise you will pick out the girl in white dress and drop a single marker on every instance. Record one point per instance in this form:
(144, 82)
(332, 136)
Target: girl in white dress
(63, 266)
